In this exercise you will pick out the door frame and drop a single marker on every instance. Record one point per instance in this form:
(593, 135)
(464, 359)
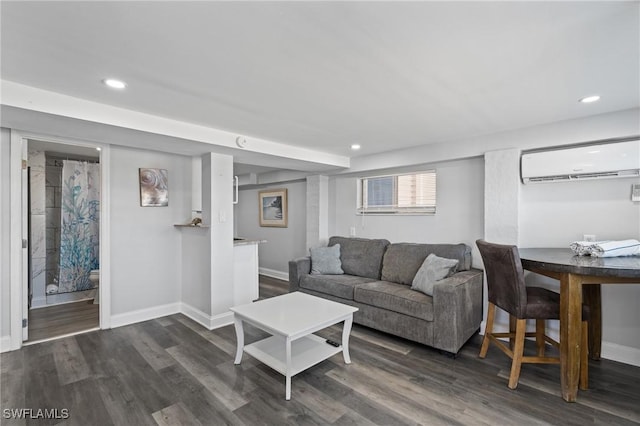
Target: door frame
(19, 276)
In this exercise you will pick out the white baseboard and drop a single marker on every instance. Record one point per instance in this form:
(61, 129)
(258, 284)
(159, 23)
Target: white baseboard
(207, 321)
(610, 351)
(619, 353)
(5, 343)
(144, 314)
(279, 275)
(195, 314)
(38, 302)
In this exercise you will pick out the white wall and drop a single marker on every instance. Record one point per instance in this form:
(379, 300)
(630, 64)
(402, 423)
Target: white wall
(460, 208)
(5, 247)
(555, 214)
(146, 247)
(283, 244)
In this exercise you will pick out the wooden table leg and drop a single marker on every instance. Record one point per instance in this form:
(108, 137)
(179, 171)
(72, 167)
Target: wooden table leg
(570, 333)
(592, 298)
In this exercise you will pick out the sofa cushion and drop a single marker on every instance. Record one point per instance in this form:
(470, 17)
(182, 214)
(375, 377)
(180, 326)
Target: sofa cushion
(361, 256)
(326, 260)
(433, 269)
(336, 285)
(402, 260)
(395, 297)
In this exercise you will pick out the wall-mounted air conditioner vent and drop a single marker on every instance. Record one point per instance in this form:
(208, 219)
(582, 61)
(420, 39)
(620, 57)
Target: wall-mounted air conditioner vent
(601, 161)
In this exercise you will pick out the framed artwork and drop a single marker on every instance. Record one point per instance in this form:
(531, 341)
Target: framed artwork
(154, 187)
(273, 207)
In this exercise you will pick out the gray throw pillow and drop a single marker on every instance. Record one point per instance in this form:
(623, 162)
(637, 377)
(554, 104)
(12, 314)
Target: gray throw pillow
(433, 269)
(326, 260)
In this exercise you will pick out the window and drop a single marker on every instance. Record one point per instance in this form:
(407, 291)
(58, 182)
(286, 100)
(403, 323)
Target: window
(413, 193)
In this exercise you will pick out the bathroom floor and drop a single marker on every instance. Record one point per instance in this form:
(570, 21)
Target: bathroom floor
(57, 320)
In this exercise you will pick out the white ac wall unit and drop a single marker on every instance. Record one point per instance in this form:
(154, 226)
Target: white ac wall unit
(610, 160)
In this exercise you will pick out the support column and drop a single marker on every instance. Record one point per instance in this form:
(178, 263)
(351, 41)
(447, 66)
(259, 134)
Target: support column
(217, 211)
(501, 207)
(317, 211)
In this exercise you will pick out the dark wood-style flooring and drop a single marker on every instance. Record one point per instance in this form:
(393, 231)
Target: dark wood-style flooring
(58, 320)
(172, 371)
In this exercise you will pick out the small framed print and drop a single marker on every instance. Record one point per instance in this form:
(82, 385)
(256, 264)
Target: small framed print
(273, 208)
(154, 187)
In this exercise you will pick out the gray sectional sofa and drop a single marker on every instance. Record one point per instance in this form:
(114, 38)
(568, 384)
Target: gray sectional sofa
(377, 279)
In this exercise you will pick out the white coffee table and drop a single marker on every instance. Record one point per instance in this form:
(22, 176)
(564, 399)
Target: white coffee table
(291, 319)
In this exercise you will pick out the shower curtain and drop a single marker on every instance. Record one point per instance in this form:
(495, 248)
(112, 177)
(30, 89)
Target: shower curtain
(80, 216)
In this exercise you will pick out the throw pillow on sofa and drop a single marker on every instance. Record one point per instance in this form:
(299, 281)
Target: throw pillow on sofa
(326, 260)
(433, 269)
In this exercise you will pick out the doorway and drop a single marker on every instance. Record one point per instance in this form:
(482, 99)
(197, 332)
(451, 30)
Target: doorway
(63, 221)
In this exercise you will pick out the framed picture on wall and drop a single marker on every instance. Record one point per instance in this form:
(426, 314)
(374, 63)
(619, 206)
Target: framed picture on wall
(154, 187)
(273, 207)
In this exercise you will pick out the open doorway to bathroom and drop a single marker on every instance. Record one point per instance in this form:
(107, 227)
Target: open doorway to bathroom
(64, 239)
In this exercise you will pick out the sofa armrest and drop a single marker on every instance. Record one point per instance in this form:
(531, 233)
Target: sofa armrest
(297, 268)
(457, 309)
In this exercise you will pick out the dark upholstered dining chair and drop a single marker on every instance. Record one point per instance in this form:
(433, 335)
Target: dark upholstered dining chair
(507, 290)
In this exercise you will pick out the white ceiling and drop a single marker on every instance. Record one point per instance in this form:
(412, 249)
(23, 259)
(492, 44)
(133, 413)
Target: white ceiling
(324, 75)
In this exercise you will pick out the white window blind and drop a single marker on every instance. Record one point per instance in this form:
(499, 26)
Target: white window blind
(413, 193)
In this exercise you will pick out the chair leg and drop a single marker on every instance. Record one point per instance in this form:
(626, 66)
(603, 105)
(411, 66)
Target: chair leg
(512, 330)
(584, 357)
(540, 342)
(491, 312)
(521, 329)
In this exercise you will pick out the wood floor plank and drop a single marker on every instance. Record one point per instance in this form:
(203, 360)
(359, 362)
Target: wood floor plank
(206, 376)
(201, 403)
(86, 406)
(175, 415)
(58, 320)
(121, 404)
(70, 362)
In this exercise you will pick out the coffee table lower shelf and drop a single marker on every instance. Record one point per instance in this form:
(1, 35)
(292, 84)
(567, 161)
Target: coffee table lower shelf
(306, 352)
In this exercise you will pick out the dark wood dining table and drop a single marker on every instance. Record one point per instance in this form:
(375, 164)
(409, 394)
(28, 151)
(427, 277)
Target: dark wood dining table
(580, 279)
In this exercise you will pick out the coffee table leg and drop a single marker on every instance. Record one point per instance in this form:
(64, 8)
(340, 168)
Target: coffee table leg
(237, 322)
(288, 370)
(346, 331)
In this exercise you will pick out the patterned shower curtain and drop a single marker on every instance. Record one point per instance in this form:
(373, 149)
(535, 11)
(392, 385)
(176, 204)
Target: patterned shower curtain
(80, 215)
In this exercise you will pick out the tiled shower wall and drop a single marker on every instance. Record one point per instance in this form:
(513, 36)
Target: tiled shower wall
(53, 192)
(37, 235)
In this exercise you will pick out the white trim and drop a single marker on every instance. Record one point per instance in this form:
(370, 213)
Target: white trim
(16, 239)
(39, 302)
(619, 353)
(62, 336)
(146, 314)
(105, 237)
(279, 275)
(18, 137)
(195, 314)
(221, 320)
(207, 321)
(5, 344)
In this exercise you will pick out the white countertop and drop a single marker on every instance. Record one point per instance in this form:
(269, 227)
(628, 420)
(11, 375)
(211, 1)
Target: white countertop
(246, 241)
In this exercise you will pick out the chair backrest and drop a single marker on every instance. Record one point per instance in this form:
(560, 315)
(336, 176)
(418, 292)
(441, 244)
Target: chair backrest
(505, 277)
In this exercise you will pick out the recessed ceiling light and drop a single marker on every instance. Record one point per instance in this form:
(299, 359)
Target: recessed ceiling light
(589, 99)
(114, 84)
(98, 148)
(355, 147)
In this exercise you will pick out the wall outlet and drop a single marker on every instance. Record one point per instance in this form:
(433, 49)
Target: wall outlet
(352, 231)
(589, 237)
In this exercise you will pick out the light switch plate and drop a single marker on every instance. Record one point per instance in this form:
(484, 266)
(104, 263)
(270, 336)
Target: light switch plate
(635, 192)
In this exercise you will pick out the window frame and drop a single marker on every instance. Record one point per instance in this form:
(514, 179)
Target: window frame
(395, 210)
